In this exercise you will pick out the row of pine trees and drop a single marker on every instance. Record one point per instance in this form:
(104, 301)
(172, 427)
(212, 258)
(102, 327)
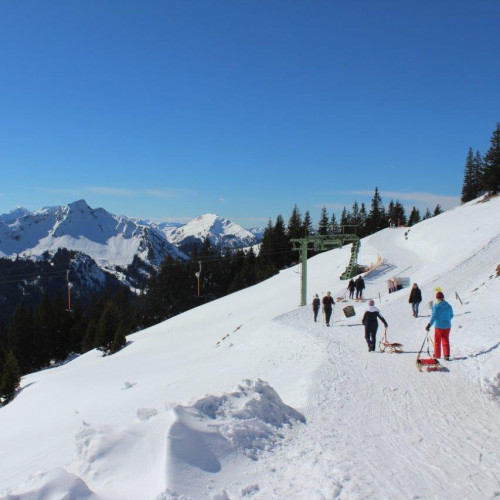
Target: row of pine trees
(40, 337)
(482, 173)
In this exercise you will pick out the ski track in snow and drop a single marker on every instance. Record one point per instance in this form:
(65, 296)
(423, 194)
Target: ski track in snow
(411, 422)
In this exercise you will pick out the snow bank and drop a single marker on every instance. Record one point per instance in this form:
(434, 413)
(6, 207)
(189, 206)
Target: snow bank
(217, 431)
(57, 484)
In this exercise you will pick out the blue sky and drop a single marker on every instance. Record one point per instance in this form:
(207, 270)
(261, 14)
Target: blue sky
(168, 109)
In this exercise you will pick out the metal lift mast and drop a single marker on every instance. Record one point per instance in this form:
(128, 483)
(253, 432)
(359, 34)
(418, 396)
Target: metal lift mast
(320, 243)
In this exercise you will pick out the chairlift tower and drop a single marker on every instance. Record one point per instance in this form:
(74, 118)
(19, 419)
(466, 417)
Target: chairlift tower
(320, 243)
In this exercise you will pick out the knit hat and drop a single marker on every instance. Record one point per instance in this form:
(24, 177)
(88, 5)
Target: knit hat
(439, 296)
(371, 302)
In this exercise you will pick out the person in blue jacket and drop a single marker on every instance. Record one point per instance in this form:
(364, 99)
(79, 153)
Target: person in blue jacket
(442, 314)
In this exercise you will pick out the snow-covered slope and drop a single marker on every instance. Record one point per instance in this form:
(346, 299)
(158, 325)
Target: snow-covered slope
(108, 239)
(247, 397)
(221, 232)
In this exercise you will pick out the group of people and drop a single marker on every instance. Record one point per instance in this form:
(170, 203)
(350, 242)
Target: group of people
(442, 314)
(358, 286)
(327, 302)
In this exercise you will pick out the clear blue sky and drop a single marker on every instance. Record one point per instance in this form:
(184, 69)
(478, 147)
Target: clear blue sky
(168, 109)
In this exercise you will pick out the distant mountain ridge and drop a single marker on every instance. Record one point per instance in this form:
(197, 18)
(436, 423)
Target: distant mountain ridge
(114, 243)
(221, 232)
(108, 239)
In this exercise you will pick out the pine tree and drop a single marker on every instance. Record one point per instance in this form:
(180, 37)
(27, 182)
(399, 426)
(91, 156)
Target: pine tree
(427, 214)
(10, 378)
(323, 222)
(281, 243)
(355, 217)
(399, 213)
(469, 186)
(344, 218)
(491, 173)
(21, 338)
(333, 227)
(414, 217)
(438, 210)
(362, 221)
(376, 217)
(307, 226)
(107, 327)
(295, 226)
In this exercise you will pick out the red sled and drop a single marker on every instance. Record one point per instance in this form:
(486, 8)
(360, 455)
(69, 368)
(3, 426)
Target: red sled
(430, 364)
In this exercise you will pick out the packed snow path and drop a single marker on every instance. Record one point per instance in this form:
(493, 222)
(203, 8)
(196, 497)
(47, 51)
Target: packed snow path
(414, 435)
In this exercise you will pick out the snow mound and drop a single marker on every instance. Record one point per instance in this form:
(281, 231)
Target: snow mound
(57, 484)
(217, 431)
(248, 418)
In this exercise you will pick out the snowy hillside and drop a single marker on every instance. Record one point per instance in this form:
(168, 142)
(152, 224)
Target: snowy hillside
(247, 397)
(108, 239)
(222, 233)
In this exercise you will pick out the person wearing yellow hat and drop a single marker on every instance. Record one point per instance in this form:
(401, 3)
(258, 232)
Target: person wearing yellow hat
(442, 314)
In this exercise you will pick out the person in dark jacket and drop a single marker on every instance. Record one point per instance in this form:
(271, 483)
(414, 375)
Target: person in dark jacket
(370, 320)
(360, 286)
(316, 305)
(415, 299)
(442, 314)
(328, 304)
(351, 287)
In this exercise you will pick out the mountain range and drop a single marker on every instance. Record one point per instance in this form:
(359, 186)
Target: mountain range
(114, 242)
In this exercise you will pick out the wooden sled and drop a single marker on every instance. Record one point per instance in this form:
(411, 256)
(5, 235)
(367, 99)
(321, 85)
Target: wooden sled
(385, 346)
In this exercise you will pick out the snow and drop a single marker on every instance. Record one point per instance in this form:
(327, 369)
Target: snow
(246, 397)
(108, 239)
(220, 231)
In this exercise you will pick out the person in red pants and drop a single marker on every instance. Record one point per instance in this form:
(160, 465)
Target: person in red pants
(442, 314)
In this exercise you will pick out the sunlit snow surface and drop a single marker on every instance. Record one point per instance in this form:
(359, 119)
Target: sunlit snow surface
(246, 397)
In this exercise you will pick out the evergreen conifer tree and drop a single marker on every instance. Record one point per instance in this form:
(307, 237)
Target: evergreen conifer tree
(491, 172)
(334, 227)
(307, 225)
(106, 332)
(355, 216)
(295, 227)
(344, 219)
(414, 217)
(10, 378)
(470, 188)
(376, 217)
(323, 222)
(21, 338)
(427, 214)
(399, 213)
(438, 210)
(362, 221)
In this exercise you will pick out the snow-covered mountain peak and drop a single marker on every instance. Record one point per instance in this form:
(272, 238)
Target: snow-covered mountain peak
(108, 239)
(221, 232)
(14, 215)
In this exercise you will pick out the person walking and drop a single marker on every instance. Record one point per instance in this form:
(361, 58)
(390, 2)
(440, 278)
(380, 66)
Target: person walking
(351, 287)
(360, 286)
(442, 314)
(370, 321)
(415, 299)
(328, 304)
(316, 305)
